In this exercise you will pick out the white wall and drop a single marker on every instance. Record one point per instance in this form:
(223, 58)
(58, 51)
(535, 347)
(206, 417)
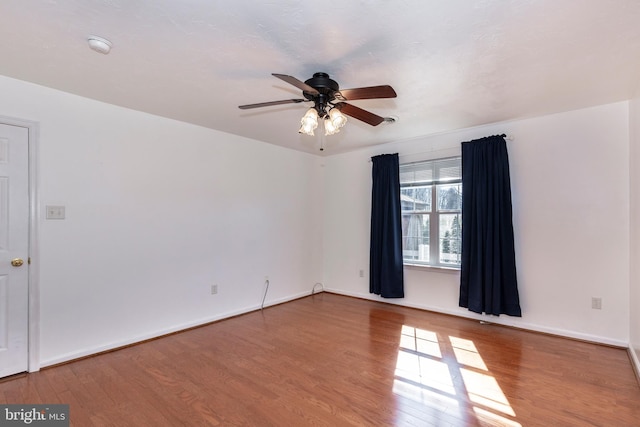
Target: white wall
(570, 186)
(156, 212)
(634, 300)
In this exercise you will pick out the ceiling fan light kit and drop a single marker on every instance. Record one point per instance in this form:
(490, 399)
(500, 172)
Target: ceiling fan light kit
(329, 103)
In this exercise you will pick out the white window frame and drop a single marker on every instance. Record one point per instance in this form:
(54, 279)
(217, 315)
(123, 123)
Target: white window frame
(434, 214)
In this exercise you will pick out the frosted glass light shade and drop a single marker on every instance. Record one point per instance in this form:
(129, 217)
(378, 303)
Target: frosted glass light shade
(309, 122)
(329, 128)
(337, 118)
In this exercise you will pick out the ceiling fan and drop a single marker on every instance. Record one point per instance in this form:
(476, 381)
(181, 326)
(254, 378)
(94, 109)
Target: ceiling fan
(328, 100)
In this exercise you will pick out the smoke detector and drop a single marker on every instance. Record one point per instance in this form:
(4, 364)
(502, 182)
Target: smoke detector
(99, 44)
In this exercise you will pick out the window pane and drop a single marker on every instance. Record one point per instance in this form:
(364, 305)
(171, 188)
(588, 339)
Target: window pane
(416, 198)
(426, 172)
(416, 173)
(449, 197)
(415, 236)
(448, 169)
(450, 238)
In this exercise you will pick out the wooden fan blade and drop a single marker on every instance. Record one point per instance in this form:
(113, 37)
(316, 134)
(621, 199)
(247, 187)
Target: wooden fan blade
(270, 103)
(371, 92)
(360, 114)
(297, 83)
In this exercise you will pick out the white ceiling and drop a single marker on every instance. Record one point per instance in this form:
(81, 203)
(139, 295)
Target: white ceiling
(453, 63)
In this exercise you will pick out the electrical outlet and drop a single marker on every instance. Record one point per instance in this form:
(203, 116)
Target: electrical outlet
(266, 278)
(214, 289)
(596, 303)
(361, 273)
(55, 212)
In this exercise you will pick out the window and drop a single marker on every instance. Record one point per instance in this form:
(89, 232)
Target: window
(431, 200)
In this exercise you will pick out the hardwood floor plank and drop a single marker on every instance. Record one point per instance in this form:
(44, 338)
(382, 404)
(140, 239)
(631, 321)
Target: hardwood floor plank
(330, 360)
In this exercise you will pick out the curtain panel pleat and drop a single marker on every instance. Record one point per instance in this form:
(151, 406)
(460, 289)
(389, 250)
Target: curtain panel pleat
(385, 262)
(488, 282)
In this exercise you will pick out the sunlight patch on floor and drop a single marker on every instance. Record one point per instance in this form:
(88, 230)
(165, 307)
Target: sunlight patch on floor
(491, 419)
(424, 371)
(466, 353)
(425, 396)
(425, 342)
(483, 389)
(424, 375)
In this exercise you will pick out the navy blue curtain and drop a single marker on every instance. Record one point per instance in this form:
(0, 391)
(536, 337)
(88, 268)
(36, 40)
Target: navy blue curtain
(385, 259)
(488, 271)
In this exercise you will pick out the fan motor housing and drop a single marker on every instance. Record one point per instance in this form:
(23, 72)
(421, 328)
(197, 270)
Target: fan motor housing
(323, 84)
(326, 88)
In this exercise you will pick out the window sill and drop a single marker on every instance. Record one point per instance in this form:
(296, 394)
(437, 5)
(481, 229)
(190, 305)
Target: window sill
(435, 268)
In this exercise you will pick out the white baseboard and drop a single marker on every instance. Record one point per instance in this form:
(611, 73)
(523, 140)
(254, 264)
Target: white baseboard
(633, 355)
(159, 333)
(493, 319)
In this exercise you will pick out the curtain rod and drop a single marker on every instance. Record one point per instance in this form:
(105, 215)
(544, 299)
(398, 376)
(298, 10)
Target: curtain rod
(505, 136)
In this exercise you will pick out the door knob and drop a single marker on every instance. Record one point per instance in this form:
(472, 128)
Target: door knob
(17, 262)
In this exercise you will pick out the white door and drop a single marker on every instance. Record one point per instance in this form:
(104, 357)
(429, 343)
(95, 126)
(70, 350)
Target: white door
(14, 248)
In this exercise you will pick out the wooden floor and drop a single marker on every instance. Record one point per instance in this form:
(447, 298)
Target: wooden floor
(330, 360)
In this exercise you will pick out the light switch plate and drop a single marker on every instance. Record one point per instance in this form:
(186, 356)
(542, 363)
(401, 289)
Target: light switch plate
(55, 212)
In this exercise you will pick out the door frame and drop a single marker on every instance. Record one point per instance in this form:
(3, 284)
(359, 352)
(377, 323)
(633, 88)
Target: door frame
(33, 128)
